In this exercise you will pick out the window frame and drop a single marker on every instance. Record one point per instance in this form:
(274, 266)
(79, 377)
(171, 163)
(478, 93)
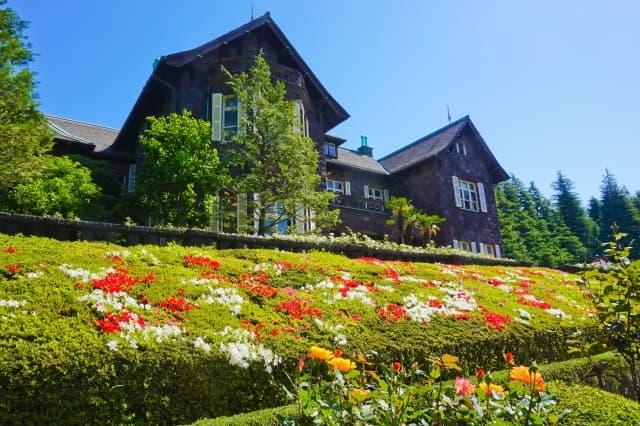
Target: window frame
(490, 250)
(464, 245)
(469, 198)
(335, 186)
(230, 130)
(372, 196)
(327, 146)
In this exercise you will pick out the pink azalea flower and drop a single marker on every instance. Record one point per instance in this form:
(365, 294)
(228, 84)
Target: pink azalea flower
(464, 387)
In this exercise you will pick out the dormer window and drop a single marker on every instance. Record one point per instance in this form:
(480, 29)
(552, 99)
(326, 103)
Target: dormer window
(330, 150)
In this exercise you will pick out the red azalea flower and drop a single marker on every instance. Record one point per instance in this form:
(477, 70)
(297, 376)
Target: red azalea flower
(508, 357)
(396, 366)
(193, 260)
(371, 260)
(391, 274)
(392, 312)
(298, 308)
(496, 281)
(177, 304)
(14, 268)
(9, 249)
(149, 278)
(435, 303)
(338, 353)
(495, 320)
(356, 317)
(540, 304)
(463, 316)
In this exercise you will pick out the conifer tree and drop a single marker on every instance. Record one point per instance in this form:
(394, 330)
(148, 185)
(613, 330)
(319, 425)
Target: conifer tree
(617, 208)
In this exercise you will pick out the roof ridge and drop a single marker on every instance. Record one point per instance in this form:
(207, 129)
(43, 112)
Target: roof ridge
(81, 122)
(430, 135)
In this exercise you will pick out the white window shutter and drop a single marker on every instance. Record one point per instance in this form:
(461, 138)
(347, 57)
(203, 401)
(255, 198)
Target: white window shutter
(312, 220)
(498, 255)
(131, 179)
(482, 249)
(347, 187)
(456, 190)
(366, 192)
(298, 109)
(473, 247)
(216, 117)
(455, 244)
(385, 195)
(241, 215)
(483, 198)
(457, 147)
(464, 150)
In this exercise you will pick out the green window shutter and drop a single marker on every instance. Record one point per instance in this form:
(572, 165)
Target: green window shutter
(216, 117)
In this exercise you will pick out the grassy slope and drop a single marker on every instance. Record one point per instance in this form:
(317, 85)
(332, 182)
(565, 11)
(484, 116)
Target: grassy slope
(54, 335)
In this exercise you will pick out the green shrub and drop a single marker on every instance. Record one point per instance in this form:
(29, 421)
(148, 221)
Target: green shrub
(55, 363)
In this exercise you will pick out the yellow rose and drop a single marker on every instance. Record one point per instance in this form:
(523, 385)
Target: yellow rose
(523, 375)
(342, 364)
(359, 394)
(320, 354)
(489, 389)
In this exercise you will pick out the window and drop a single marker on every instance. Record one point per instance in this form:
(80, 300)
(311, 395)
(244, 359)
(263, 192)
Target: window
(461, 148)
(335, 186)
(375, 194)
(330, 150)
(230, 117)
(131, 181)
(464, 245)
(488, 249)
(469, 196)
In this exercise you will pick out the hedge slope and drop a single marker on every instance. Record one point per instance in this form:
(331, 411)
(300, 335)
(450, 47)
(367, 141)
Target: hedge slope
(93, 332)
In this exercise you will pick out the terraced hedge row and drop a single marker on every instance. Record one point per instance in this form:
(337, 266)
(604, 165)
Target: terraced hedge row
(97, 333)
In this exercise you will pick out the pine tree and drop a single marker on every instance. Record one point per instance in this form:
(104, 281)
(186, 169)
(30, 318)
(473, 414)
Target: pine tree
(617, 208)
(568, 205)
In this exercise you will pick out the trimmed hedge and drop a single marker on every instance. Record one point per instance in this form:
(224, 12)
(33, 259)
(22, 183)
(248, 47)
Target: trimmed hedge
(55, 363)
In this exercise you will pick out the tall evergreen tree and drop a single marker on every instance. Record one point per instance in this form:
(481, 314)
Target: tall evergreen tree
(618, 208)
(569, 207)
(24, 134)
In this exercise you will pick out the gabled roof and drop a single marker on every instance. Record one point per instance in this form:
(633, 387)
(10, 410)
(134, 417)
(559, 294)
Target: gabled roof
(349, 158)
(80, 132)
(435, 143)
(180, 59)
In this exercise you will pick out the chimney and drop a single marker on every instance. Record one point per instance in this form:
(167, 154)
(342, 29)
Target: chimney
(365, 149)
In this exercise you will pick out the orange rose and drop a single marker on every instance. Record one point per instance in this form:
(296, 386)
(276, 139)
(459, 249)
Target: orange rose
(320, 354)
(342, 364)
(523, 375)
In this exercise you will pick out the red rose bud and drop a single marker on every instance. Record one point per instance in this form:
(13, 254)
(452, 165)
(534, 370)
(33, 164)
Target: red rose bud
(479, 373)
(338, 353)
(396, 366)
(508, 357)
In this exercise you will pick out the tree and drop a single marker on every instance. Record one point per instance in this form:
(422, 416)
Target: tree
(270, 158)
(180, 172)
(64, 187)
(24, 134)
(617, 209)
(428, 225)
(568, 205)
(403, 216)
(104, 176)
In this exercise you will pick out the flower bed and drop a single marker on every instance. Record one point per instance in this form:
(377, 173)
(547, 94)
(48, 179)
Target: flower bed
(93, 332)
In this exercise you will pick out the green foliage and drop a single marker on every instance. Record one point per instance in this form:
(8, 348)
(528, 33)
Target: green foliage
(64, 188)
(531, 229)
(270, 157)
(617, 209)
(569, 207)
(366, 393)
(104, 176)
(594, 407)
(52, 346)
(24, 135)
(180, 172)
(616, 298)
(408, 219)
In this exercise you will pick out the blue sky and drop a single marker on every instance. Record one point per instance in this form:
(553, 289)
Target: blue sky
(551, 85)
